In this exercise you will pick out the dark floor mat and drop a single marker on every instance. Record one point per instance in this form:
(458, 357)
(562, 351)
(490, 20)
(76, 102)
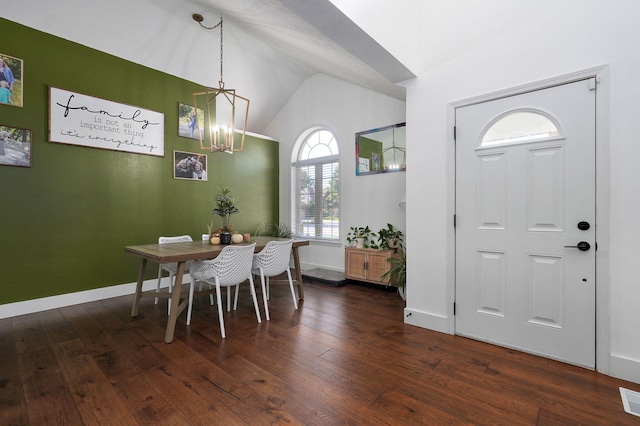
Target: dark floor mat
(325, 276)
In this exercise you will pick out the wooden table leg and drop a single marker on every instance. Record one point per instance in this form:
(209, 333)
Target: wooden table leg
(136, 301)
(296, 264)
(175, 302)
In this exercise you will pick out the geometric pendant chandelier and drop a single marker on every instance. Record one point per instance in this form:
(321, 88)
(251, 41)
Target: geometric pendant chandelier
(224, 112)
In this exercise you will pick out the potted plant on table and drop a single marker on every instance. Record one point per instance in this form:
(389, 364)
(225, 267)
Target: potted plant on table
(279, 230)
(225, 207)
(389, 238)
(360, 236)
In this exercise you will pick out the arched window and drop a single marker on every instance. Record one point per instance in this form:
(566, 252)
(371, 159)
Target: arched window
(315, 191)
(522, 126)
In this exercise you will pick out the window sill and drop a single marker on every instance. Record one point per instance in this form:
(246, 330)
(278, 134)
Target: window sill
(313, 241)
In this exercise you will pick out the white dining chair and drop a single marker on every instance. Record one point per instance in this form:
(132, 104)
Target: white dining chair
(171, 267)
(231, 268)
(271, 261)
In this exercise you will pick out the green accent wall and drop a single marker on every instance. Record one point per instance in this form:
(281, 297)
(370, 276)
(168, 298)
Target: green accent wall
(366, 148)
(64, 222)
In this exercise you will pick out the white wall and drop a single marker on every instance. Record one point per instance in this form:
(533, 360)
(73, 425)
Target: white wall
(344, 109)
(571, 37)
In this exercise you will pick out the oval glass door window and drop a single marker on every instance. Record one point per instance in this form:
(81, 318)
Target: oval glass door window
(517, 127)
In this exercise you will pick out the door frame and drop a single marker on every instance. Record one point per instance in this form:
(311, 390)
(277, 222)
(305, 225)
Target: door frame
(601, 74)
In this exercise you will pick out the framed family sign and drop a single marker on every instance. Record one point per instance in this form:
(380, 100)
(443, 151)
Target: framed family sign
(78, 119)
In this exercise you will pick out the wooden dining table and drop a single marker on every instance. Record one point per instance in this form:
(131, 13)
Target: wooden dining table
(183, 252)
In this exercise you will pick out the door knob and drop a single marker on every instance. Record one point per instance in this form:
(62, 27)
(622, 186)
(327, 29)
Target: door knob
(582, 246)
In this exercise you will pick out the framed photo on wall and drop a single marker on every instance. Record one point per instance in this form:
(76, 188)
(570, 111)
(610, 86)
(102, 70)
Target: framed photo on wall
(11, 80)
(189, 165)
(15, 146)
(375, 161)
(190, 124)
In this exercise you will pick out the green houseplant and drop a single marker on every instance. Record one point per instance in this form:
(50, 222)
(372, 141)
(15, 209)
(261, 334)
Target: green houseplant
(397, 274)
(389, 238)
(279, 230)
(274, 229)
(225, 207)
(360, 236)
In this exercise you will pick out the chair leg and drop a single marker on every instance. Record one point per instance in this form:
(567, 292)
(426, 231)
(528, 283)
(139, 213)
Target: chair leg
(293, 291)
(264, 297)
(220, 308)
(190, 306)
(210, 295)
(255, 299)
(228, 299)
(171, 278)
(235, 300)
(155, 302)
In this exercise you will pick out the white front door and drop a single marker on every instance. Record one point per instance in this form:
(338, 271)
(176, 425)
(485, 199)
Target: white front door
(525, 193)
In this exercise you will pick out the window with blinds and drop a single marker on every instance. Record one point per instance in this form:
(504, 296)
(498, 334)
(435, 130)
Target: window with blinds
(316, 188)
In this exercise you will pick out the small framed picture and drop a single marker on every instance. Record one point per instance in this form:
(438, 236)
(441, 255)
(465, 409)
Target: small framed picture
(189, 165)
(375, 161)
(363, 165)
(15, 146)
(11, 80)
(190, 124)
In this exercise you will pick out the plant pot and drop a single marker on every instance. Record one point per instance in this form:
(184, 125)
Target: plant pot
(359, 242)
(225, 238)
(236, 238)
(402, 293)
(215, 240)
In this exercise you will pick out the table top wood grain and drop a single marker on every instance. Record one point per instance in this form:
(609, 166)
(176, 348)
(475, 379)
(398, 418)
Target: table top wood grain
(181, 252)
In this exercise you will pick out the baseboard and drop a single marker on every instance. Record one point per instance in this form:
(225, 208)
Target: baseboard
(427, 320)
(53, 302)
(625, 368)
(306, 266)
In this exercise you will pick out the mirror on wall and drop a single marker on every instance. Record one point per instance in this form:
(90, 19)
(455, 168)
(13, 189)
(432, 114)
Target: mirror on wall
(381, 150)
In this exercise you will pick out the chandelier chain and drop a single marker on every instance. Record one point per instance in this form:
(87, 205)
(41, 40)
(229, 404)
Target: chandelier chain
(221, 80)
(219, 24)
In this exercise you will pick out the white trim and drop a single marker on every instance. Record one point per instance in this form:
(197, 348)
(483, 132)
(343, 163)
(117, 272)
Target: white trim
(595, 72)
(305, 266)
(625, 368)
(427, 320)
(603, 321)
(60, 301)
(258, 135)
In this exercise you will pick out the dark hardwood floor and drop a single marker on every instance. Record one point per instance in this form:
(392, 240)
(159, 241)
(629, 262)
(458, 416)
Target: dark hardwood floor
(345, 357)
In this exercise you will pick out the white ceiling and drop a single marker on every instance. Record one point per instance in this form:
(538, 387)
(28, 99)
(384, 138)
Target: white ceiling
(319, 35)
(376, 43)
(272, 46)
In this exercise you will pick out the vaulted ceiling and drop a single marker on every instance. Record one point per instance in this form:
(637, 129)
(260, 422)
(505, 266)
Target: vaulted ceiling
(376, 43)
(371, 43)
(319, 35)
